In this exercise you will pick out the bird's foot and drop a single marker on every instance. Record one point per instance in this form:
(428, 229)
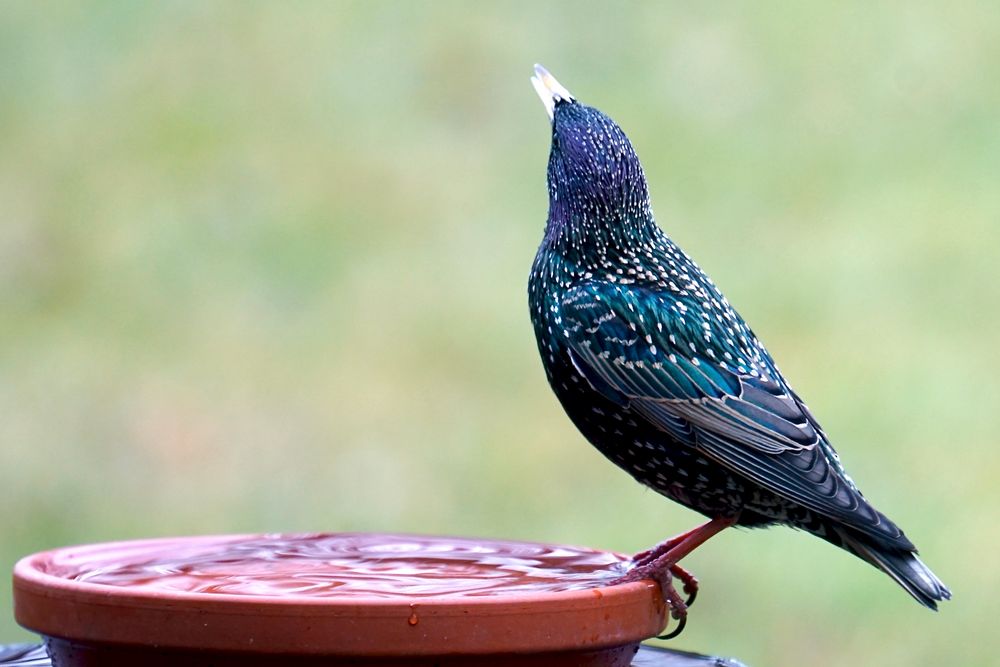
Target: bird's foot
(662, 573)
(650, 555)
(660, 565)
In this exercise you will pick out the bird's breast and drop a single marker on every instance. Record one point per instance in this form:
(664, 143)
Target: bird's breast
(649, 454)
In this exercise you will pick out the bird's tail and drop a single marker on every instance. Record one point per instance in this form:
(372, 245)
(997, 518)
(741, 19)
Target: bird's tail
(901, 564)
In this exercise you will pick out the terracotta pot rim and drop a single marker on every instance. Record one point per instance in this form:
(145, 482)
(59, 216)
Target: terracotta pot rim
(30, 579)
(28, 575)
(357, 625)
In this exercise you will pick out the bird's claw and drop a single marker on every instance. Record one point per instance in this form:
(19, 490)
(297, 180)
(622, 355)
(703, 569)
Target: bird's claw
(690, 583)
(681, 622)
(678, 607)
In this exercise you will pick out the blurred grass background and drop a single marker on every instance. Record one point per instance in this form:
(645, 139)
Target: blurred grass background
(263, 266)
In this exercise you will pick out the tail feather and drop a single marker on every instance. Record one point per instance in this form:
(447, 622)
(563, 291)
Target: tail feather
(902, 565)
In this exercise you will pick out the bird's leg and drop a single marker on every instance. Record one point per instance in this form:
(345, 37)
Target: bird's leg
(658, 550)
(660, 562)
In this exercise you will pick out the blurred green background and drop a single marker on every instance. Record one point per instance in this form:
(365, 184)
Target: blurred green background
(263, 268)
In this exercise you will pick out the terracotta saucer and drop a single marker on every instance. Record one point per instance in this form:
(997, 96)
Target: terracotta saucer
(334, 599)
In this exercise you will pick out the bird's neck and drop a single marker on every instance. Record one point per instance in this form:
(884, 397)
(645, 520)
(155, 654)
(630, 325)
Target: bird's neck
(591, 227)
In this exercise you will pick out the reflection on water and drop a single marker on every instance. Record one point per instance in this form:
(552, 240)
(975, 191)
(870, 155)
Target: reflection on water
(341, 565)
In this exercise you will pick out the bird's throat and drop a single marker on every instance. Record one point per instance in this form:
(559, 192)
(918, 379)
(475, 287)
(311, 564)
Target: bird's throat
(573, 232)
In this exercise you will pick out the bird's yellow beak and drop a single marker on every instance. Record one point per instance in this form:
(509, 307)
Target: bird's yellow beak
(549, 90)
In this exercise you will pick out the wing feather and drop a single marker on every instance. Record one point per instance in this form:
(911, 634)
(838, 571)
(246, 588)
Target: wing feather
(632, 345)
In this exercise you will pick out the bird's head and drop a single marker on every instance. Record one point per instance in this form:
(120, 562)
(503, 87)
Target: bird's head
(593, 169)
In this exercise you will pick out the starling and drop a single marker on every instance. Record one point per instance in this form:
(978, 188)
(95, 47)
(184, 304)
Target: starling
(660, 373)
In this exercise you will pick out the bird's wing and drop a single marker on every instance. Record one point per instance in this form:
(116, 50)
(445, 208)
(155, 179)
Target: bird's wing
(704, 379)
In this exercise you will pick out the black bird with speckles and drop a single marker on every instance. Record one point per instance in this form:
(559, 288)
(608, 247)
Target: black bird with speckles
(664, 377)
